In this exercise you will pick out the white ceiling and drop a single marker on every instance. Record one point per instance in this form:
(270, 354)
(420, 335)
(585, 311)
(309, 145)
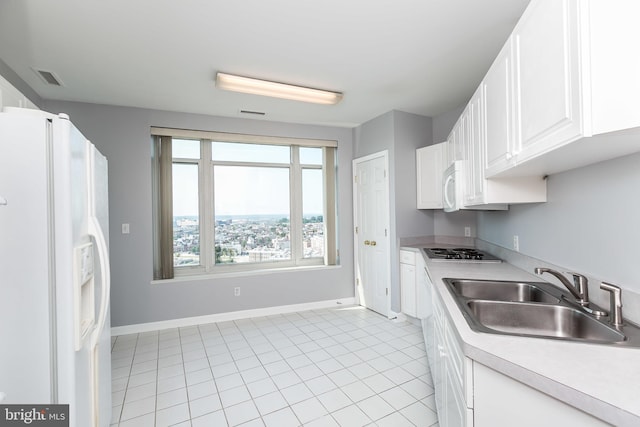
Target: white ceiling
(421, 56)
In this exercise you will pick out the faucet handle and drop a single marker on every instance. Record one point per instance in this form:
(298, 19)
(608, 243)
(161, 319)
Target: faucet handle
(615, 302)
(581, 283)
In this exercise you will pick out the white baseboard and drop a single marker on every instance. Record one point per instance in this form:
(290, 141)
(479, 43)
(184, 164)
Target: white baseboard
(224, 317)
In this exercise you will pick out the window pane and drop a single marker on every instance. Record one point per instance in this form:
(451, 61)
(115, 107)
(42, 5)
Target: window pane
(186, 224)
(185, 149)
(312, 217)
(252, 214)
(239, 152)
(310, 156)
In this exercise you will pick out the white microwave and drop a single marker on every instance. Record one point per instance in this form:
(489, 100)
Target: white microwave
(453, 190)
(452, 187)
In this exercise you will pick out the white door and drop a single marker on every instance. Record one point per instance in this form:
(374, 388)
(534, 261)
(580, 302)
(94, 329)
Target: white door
(371, 218)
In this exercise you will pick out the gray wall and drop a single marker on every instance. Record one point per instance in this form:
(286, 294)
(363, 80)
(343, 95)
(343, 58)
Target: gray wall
(20, 84)
(411, 131)
(122, 135)
(400, 134)
(443, 123)
(589, 224)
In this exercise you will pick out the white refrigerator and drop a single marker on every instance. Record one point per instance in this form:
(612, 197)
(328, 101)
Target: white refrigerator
(54, 268)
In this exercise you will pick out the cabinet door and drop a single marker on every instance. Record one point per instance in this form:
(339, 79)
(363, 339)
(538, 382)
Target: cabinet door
(456, 413)
(547, 68)
(408, 289)
(438, 372)
(456, 141)
(475, 149)
(500, 401)
(429, 169)
(497, 88)
(423, 290)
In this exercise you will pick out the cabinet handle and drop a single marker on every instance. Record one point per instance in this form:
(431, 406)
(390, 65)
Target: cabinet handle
(367, 243)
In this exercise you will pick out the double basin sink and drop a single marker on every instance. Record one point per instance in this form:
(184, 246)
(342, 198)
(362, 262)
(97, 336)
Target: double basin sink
(535, 309)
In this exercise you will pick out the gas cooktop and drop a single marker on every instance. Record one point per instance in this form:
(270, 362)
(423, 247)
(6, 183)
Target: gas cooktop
(459, 255)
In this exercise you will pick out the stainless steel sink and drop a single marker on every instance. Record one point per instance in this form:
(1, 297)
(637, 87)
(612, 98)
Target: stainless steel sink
(502, 290)
(544, 320)
(534, 309)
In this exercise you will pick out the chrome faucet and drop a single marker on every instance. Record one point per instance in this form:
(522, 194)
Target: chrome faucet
(580, 289)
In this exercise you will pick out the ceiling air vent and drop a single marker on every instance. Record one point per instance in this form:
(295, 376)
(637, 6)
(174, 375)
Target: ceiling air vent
(48, 77)
(255, 113)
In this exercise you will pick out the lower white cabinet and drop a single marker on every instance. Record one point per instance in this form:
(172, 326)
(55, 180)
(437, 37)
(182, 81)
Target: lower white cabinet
(414, 300)
(501, 401)
(451, 372)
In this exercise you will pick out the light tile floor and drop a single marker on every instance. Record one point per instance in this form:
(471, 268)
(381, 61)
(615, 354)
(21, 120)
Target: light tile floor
(333, 367)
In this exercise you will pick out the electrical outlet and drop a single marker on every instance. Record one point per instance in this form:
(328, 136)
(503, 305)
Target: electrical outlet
(467, 231)
(236, 291)
(125, 228)
(516, 243)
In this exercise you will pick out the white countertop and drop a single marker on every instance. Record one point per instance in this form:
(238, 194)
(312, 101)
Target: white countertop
(601, 380)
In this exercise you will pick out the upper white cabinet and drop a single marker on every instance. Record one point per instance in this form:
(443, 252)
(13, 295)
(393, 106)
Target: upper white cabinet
(430, 164)
(475, 128)
(549, 95)
(493, 193)
(11, 97)
(497, 89)
(563, 88)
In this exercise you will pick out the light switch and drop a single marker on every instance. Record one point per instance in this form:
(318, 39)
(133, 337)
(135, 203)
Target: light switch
(125, 228)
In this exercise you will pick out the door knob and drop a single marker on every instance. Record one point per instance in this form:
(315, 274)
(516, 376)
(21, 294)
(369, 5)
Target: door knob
(373, 243)
(367, 243)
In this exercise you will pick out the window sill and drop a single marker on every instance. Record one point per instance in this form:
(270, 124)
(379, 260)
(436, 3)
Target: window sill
(244, 273)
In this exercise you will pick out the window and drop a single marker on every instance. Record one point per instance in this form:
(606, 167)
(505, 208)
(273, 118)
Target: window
(228, 202)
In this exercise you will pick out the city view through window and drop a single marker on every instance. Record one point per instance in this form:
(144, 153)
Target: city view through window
(246, 238)
(252, 187)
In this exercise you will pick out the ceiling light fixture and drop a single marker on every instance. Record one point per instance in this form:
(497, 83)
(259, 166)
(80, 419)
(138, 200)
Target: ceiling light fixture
(274, 89)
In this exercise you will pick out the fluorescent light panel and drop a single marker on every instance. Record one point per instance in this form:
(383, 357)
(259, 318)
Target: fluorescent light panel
(274, 89)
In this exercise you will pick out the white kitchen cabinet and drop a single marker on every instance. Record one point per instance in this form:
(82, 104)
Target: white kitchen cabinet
(430, 164)
(408, 283)
(549, 97)
(500, 401)
(497, 89)
(423, 290)
(414, 299)
(493, 193)
(563, 91)
(11, 97)
(475, 151)
(450, 372)
(456, 147)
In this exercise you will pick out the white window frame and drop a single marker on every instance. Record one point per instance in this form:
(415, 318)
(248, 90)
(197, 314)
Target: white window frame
(206, 199)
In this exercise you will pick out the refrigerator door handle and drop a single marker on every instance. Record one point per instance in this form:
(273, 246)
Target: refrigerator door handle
(105, 272)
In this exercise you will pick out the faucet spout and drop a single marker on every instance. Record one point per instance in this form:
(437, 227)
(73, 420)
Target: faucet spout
(579, 290)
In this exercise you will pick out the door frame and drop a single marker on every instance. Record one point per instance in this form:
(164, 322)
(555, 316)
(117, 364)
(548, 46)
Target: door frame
(385, 155)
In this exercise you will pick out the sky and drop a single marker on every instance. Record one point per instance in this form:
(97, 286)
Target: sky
(267, 188)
